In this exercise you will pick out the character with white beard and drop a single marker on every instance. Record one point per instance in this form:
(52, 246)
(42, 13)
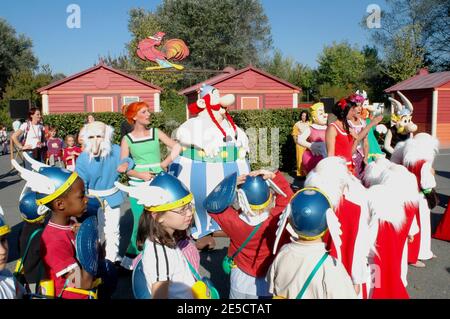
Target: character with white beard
(98, 166)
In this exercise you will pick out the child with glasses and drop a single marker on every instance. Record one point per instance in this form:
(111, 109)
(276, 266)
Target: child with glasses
(169, 264)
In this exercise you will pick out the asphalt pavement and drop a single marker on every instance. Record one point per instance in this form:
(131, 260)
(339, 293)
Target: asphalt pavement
(433, 281)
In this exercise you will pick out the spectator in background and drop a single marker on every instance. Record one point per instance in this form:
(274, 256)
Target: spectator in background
(54, 149)
(70, 153)
(32, 133)
(4, 140)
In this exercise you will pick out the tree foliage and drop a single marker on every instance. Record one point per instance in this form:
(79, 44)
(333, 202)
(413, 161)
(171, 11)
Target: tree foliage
(419, 28)
(296, 73)
(15, 53)
(23, 84)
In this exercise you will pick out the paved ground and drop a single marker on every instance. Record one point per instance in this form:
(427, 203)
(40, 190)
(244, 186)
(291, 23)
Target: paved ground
(430, 282)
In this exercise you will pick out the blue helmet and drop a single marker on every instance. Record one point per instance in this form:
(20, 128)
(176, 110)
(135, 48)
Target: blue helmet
(222, 195)
(179, 193)
(29, 210)
(257, 192)
(308, 213)
(86, 245)
(205, 89)
(61, 178)
(4, 227)
(138, 281)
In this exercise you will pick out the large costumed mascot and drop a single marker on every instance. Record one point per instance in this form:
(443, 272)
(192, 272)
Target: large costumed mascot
(349, 225)
(402, 126)
(213, 147)
(97, 165)
(313, 138)
(393, 202)
(419, 153)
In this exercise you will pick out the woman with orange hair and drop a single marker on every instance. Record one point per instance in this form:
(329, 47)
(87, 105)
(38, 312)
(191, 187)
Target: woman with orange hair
(142, 143)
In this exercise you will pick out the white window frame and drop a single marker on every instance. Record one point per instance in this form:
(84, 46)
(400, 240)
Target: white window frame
(249, 97)
(133, 98)
(103, 98)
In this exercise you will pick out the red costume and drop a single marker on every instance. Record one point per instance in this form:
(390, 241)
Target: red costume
(443, 229)
(343, 146)
(256, 257)
(390, 244)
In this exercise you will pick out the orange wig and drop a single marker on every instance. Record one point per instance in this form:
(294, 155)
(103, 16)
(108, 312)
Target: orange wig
(130, 110)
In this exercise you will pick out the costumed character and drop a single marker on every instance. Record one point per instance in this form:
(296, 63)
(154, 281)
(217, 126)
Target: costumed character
(313, 138)
(297, 130)
(10, 288)
(70, 263)
(349, 229)
(369, 113)
(164, 269)
(97, 166)
(402, 126)
(213, 147)
(29, 268)
(248, 214)
(443, 229)
(419, 153)
(143, 145)
(393, 202)
(357, 124)
(304, 267)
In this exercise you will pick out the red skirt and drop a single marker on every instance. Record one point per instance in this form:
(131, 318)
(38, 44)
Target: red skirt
(443, 229)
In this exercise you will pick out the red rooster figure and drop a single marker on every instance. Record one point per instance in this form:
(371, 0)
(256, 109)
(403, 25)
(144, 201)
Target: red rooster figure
(173, 49)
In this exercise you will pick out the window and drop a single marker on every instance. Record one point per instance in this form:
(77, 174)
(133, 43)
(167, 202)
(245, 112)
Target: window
(249, 103)
(102, 104)
(130, 99)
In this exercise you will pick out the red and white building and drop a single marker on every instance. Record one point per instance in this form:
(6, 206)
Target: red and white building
(430, 95)
(98, 89)
(253, 89)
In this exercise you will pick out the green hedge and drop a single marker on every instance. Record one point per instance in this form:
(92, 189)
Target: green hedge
(250, 121)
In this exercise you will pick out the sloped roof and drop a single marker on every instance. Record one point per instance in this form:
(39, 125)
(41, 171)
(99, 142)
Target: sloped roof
(424, 81)
(96, 67)
(223, 77)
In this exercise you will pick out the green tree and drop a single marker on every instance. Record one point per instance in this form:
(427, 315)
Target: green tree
(296, 73)
(424, 23)
(218, 33)
(23, 84)
(375, 79)
(341, 70)
(403, 57)
(15, 53)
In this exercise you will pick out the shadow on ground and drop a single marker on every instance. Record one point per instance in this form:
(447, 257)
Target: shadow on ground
(443, 174)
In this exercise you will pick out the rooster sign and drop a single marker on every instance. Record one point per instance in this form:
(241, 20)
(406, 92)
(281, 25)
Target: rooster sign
(150, 49)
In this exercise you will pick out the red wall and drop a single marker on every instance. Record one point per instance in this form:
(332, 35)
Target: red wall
(102, 79)
(75, 95)
(78, 103)
(253, 84)
(443, 119)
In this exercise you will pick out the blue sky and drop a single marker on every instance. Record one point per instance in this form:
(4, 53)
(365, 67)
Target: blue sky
(300, 28)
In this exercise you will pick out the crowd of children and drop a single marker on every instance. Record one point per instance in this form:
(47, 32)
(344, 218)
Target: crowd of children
(349, 233)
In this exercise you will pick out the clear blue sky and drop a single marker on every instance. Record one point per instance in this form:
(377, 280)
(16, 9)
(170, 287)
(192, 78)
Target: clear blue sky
(300, 28)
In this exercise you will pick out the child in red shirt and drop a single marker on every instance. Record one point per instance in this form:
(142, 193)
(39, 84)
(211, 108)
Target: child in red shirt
(252, 262)
(70, 153)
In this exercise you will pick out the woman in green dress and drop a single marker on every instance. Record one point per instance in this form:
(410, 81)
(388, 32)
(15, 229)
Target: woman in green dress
(142, 144)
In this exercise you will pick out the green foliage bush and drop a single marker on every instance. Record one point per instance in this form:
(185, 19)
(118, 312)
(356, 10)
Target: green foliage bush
(250, 121)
